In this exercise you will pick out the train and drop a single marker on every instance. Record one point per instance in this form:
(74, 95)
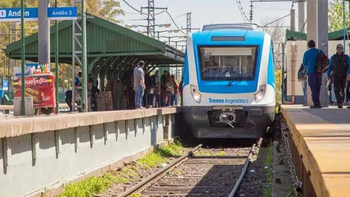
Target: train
(228, 88)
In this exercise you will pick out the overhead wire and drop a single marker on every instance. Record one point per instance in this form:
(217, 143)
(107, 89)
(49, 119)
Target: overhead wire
(276, 20)
(241, 9)
(140, 12)
(176, 17)
(178, 6)
(133, 7)
(175, 22)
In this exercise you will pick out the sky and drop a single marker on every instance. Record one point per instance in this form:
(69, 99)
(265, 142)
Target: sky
(206, 12)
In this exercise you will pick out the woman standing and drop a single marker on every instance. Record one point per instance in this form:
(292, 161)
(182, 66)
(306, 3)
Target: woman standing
(176, 91)
(169, 90)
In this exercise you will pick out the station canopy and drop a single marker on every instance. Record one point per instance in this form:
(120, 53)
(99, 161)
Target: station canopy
(107, 43)
(295, 35)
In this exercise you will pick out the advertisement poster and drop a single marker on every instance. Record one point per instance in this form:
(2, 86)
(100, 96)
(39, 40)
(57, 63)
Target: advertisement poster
(40, 87)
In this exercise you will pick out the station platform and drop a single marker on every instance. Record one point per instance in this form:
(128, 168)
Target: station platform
(320, 143)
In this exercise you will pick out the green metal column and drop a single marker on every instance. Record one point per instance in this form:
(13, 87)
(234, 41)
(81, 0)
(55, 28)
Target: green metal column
(56, 66)
(23, 112)
(84, 60)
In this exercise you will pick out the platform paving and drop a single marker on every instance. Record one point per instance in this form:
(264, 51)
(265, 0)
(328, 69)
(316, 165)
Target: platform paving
(322, 136)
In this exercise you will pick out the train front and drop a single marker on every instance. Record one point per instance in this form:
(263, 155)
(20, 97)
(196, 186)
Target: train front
(229, 84)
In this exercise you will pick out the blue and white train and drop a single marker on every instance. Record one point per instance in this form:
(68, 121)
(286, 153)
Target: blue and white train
(229, 83)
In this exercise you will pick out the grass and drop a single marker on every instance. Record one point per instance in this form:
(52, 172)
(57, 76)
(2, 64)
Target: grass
(136, 195)
(291, 192)
(268, 162)
(96, 185)
(87, 187)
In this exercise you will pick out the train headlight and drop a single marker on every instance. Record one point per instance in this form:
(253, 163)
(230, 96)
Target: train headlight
(195, 94)
(260, 94)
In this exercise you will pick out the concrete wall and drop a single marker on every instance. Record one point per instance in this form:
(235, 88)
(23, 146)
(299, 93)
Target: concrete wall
(46, 152)
(301, 47)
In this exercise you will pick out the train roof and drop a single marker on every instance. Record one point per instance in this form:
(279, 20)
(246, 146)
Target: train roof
(237, 26)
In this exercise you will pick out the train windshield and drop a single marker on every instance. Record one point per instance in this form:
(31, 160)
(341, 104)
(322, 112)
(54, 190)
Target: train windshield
(228, 63)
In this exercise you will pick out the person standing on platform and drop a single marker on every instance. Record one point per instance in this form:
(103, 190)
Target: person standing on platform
(169, 91)
(77, 80)
(128, 84)
(339, 66)
(92, 94)
(147, 96)
(163, 81)
(314, 77)
(174, 96)
(302, 77)
(139, 84)
(157, 91)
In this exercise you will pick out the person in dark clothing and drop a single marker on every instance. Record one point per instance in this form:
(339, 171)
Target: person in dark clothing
(69, 99)
(314, 77)
(339, 65)
(157, 91)
(148, 96)
(163, 88)
(128, 83)
(93, 91)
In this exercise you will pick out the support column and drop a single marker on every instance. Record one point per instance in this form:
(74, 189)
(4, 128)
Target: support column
(44, 33)
(301, 17)
(322, 43)
(317, 30)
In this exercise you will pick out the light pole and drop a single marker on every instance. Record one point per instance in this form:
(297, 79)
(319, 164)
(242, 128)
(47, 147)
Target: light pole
(56, 65)
(23, 50)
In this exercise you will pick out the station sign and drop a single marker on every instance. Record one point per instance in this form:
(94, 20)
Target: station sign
(31, 14)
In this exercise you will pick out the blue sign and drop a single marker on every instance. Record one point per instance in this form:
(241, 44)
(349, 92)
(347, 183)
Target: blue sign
(14, 14)
(62, 13)
(5, 85)
(31, 14)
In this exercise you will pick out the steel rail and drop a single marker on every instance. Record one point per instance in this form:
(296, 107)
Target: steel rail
(246, 164)
(153, 178)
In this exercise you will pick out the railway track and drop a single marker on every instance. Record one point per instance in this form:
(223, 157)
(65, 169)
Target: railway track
(200, 172)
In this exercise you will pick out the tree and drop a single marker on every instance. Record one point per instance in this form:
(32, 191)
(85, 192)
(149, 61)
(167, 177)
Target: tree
(106, 9)
(277, 33)
(335, 15)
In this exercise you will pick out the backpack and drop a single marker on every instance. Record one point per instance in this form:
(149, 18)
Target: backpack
(322, 62)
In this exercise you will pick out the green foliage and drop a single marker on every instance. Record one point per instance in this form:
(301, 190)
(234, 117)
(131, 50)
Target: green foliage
(136, 195)
(152, 160)
(268, 162)
(87, 187)
(278, 81)
(96, 185)
(335, 14)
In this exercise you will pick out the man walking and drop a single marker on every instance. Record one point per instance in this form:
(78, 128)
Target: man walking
(139, 84)
(314, 77)
(339, 65)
